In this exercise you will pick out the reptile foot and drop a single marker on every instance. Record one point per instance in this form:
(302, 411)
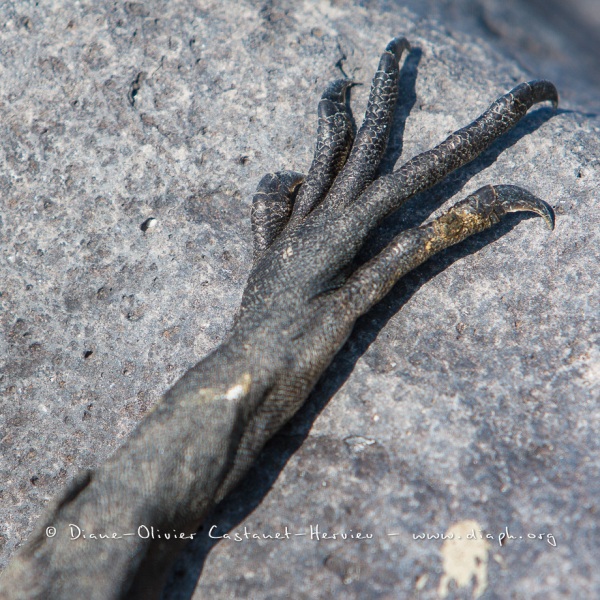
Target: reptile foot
(300, 304)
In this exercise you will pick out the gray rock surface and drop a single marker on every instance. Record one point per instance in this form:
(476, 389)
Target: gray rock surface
(552, 39)
(132, 136)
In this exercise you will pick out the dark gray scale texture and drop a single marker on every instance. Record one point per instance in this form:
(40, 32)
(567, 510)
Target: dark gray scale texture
(272, 206)
(299, 306)
(334, 142)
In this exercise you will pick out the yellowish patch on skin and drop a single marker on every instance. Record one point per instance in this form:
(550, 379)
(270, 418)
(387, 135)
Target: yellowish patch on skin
(465, 558)
(240, 389)
(205, 395)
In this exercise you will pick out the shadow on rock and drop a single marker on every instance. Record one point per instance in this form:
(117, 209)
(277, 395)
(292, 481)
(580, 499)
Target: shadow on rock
(242, 501)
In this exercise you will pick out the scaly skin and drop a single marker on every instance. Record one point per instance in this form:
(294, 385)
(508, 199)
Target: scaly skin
(300, 303)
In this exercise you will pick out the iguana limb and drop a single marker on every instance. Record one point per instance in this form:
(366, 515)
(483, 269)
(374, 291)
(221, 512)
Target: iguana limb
(300, 304)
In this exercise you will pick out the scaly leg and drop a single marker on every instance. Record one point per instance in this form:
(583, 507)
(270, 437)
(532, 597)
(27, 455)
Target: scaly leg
(480, 211)
(299, 306)
(334, 141)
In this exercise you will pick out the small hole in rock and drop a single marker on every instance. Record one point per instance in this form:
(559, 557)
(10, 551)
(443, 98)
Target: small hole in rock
(148, 224)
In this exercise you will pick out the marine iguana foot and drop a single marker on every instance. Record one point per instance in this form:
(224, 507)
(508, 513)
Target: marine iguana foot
(300, 304)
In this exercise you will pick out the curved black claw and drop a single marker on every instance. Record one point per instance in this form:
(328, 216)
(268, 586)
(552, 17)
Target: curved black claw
(397, 46)
(537, 90)
(336, 91)
(511, 198)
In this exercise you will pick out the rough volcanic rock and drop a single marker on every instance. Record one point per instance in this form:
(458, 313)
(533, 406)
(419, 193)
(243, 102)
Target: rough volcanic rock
(132, 136)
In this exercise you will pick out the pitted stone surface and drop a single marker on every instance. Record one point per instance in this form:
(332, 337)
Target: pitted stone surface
(469, 394)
